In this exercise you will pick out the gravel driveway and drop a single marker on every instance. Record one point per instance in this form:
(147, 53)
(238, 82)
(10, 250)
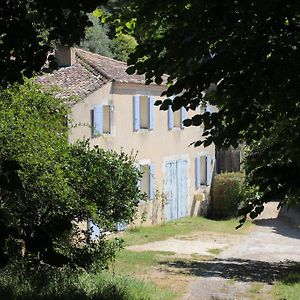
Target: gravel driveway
(247, 269)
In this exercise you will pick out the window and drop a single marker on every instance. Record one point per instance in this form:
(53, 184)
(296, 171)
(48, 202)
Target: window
(203, 170)
(176, 118)
(101, 120)
(146, 183)
(143, 112)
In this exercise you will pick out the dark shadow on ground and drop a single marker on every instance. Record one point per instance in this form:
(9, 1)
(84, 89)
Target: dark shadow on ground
(287, 223)
(237, 269)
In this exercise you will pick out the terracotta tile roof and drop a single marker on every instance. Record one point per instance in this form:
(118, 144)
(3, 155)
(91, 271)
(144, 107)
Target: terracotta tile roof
(89, 73)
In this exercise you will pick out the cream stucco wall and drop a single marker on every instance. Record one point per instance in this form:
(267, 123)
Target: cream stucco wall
(156, 146)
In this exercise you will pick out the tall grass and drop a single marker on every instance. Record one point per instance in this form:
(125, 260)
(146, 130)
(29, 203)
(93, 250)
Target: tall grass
(74, 285)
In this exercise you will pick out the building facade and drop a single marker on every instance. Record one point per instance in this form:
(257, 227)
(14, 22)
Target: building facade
(116, 111)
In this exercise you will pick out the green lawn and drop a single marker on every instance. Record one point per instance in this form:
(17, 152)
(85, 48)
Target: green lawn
(289, 288)
(142, 235)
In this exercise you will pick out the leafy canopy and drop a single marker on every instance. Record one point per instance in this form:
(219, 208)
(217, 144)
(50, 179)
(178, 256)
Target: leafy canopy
(49, 188)
(29, 27)
(243, 58)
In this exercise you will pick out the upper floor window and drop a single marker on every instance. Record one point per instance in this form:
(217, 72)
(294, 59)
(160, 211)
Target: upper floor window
(143, 112)
(176, 118)
(101, 120)
(203, 170)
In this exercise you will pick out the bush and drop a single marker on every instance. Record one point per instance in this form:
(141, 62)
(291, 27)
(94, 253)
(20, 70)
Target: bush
(48, 187)
(226, 195)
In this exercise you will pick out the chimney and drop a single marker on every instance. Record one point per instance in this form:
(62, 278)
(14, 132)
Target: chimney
(65, 56)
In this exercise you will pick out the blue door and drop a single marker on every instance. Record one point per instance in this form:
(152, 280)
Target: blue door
(176, 189)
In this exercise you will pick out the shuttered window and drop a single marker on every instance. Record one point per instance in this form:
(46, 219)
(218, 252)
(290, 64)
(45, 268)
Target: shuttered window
(203, 171)
(176, 118)
(101, 120)
(147, 182)
(143, 112)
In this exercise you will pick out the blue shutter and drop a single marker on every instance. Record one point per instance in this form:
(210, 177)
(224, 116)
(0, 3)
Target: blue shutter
(151, 112)
(208, 170)
(197, 172)
(170, 118)
(120, 226)
(183, 114)
(95, 230)
(207, 108)
(98, 120)
(151, 182)
(136, 113)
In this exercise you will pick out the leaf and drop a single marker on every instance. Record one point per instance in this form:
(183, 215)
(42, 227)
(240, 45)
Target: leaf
(253, 214)
(158, 102)
(198, 143)
(187, 122)
(130, 70)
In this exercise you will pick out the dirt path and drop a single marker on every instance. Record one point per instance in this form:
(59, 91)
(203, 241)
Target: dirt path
(247, 269)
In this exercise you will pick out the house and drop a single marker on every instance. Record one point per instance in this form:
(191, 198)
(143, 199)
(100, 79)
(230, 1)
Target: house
(116, 111)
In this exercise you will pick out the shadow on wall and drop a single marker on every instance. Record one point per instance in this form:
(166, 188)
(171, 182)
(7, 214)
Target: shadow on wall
(237, 269)
(287, 223)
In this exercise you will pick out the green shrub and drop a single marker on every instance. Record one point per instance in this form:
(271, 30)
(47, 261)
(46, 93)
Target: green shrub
(226, 195)
(48, 187)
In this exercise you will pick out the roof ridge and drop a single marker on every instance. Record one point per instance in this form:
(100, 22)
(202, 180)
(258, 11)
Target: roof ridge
(102, 56)
(85, 62)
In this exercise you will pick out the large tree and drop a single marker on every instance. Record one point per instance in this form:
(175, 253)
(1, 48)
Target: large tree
(29, 27)
(242, 57)
(49, 188)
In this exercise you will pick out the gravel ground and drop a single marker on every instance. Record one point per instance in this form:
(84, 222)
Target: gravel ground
(247, 269)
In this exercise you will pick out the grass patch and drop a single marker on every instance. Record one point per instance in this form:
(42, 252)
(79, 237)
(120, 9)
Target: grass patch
(200, 257)
(215, 251)
(142, 235)
(76, 285)
(152, 266)
(289, 288)
(256, 288)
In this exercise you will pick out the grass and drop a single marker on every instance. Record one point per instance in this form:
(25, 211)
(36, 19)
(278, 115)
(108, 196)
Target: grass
(215, 251)
(142, 235)
(289, 288)
(77, 285)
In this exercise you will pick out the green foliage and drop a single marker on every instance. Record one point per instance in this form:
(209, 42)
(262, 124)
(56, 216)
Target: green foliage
(59, 186)
(16, 284)
(96, 39)
(226, 195)
(122, 46)
(289, 287)
(29, 27)
(240, 57)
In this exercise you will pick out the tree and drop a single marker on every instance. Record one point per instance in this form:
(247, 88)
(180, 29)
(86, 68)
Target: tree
(29, 27)
(122, 46)
(241, 56)
(96, 39)
(49, 187)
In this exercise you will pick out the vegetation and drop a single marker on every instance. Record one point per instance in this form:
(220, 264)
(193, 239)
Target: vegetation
(98, 40)
(226, 195)
(23, 52)
(289, 288)
(142, 235)
(75, 285)
(59, 185)
(240, 57)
